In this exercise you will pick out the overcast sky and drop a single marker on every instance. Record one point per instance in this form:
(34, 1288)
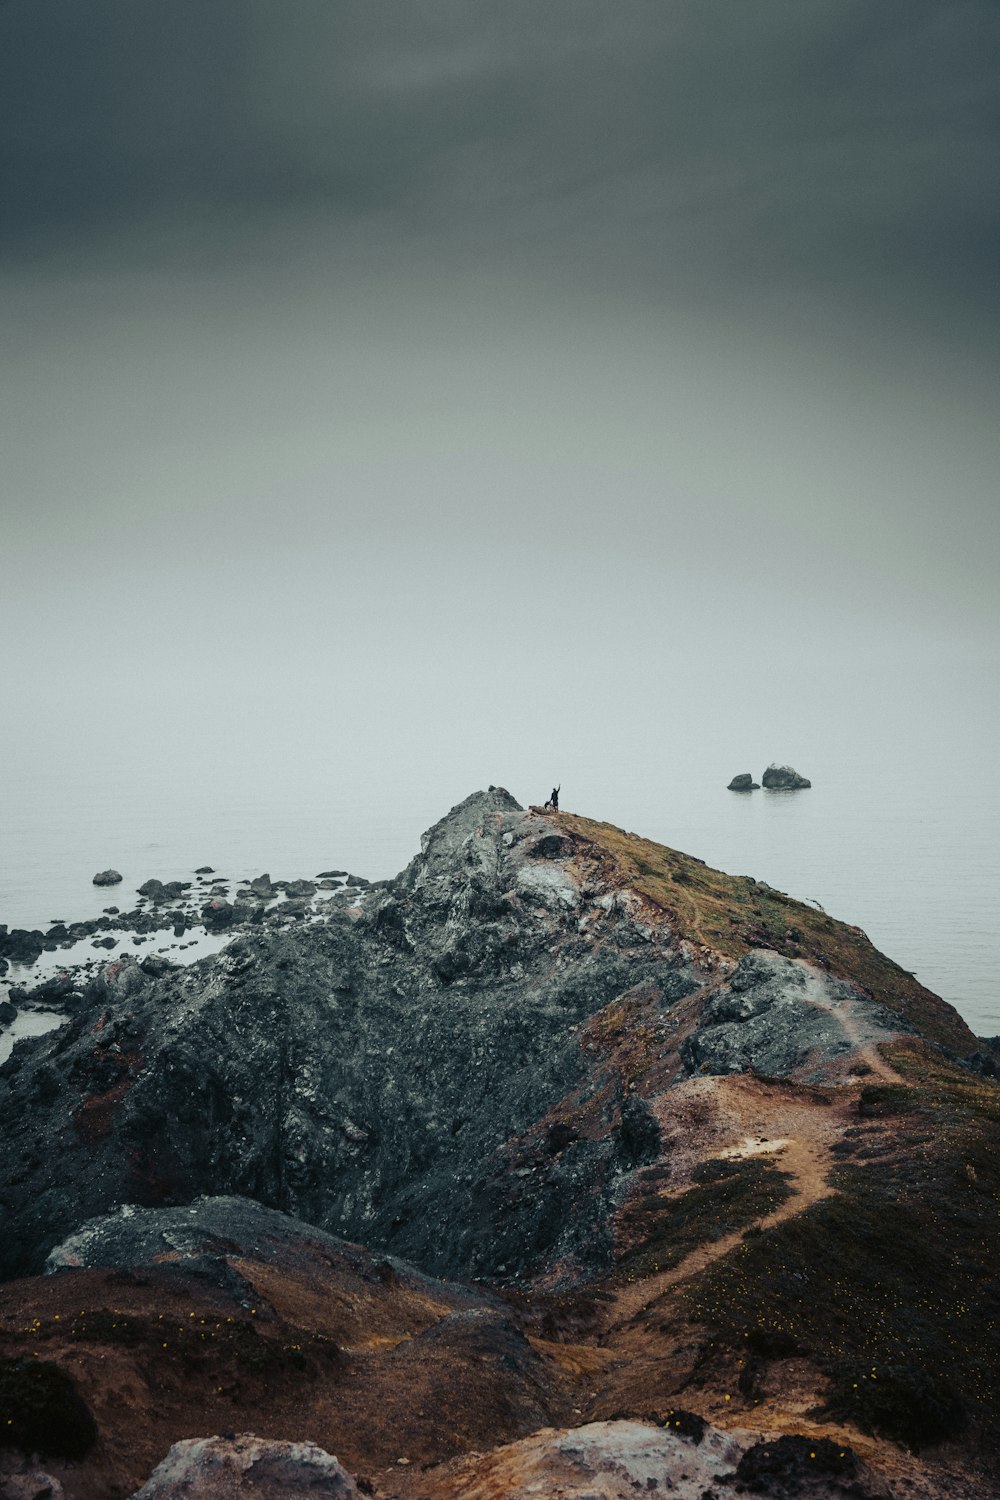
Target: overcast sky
(400, 354)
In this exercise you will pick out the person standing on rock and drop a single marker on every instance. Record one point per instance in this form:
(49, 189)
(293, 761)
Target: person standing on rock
(553, 801)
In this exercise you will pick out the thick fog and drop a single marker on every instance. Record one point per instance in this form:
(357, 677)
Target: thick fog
(399, 398)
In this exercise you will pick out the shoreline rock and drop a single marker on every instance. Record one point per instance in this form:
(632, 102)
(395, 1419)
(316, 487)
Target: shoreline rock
(743, 783)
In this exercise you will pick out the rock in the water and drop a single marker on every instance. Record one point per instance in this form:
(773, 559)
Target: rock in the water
(300, 888)
(783, 779)
(224, 1468)
(331, 874)
(743, 783)
(204, 870)
(158, 890)
(8, 1012)
(262, 887)
(20, 945)
(217, 913)
(107, 877)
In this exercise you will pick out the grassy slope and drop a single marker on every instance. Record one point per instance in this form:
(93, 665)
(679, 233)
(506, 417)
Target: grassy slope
(890, 1286)
(732, 914)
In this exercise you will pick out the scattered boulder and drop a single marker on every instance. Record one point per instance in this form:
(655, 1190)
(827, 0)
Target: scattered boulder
(331, 874)
(158, 890)
(743, 783)
(53, 991)
(21, 945)
(357, 880)
(156, 965)
(107, 877)
(8, 1012)
(262, 888)
(783, 779)
(204, 870)
(300, 888)
(217, 914)
(224, 1468)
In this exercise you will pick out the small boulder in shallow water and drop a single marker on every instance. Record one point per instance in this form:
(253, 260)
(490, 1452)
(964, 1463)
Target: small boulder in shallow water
(743, 783)
(107, 877)
(218, 913)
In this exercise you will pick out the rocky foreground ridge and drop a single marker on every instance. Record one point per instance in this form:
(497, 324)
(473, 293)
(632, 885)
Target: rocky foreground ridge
(650, 1163)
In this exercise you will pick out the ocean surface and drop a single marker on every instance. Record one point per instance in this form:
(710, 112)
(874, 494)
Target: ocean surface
(901, 847)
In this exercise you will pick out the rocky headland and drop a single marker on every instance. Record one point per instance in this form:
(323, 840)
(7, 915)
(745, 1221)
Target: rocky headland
(560, 1164)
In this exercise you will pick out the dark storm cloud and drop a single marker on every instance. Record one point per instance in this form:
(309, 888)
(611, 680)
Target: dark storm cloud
(835, 138)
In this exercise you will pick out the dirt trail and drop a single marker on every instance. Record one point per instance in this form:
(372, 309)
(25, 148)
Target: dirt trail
(806, 1161)
(798, 1135)
(799, 1140)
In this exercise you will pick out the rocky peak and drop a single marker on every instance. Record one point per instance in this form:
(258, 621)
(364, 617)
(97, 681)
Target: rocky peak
(442, 845)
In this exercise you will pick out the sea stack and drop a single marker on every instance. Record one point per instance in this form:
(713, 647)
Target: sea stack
(783, 779)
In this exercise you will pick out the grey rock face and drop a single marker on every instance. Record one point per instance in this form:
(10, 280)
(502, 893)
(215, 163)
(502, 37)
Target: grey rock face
(107, 877)
(783, 779)
(133, 1236)
(225, 1468)
(743, 783)
(775, 1013)
(364, 1070)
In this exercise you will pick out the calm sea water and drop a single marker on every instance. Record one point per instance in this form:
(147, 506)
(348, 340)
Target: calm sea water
(903, 849)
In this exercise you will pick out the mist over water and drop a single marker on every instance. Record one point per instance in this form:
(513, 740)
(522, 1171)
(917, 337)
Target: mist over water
(895, 835)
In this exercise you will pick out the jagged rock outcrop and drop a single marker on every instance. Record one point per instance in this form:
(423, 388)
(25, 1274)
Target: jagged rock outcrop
(775, 1014)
